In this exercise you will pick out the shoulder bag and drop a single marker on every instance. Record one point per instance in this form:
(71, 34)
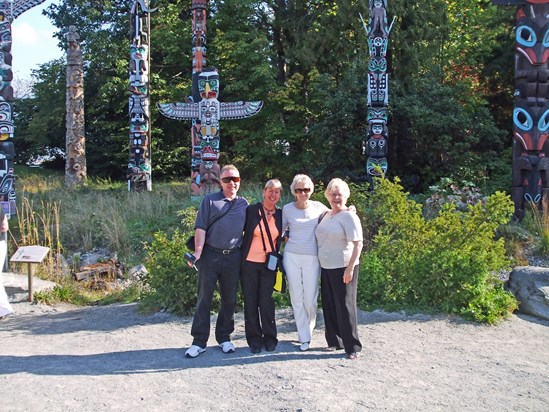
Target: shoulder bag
(274, 258)
(190, 241)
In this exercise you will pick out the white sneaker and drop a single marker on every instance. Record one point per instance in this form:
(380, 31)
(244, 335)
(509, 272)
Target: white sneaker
(304, 346)
(194, 351)
(227, 347)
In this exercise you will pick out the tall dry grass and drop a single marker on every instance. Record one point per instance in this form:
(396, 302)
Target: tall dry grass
(101, 214)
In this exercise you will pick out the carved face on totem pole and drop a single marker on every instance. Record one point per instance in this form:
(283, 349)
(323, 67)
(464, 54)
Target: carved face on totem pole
(376, 143)
(208, 84)
(209, 113)
(530, 165)
(531, 112)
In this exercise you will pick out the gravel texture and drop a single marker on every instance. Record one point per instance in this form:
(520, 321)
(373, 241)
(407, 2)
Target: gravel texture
(113, 358)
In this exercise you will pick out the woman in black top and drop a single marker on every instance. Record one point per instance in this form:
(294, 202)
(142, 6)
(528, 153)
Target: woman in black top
(257, 280)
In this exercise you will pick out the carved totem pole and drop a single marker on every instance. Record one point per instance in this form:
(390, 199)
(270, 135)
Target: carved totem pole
(139, 165)
(205, 111)
(75, 140)
(530, 181)
(9, 11)
(378, 89)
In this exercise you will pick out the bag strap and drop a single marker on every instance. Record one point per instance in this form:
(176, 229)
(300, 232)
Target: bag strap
(322, 216)
(267, 230)
(262, 239)
(221, 215)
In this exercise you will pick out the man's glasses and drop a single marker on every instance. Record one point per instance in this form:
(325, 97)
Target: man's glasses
(230, 179)
(304, 190)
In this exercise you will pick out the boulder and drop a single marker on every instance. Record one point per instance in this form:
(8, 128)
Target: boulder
(530, 285)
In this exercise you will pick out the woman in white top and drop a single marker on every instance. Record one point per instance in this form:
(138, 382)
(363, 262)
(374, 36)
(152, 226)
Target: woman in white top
(5, 307)
(339, 236)
(300, 260)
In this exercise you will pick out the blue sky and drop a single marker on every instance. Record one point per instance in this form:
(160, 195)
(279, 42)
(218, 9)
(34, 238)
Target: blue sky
(32, 41)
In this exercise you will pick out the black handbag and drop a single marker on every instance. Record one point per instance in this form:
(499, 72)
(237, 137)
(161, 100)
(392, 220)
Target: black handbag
(190, 241)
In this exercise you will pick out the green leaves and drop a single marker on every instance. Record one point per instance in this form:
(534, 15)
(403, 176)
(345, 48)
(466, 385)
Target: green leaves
(449, 263)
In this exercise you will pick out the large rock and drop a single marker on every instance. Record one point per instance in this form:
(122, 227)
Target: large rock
(530, 285)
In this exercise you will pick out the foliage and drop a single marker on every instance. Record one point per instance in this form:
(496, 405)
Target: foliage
(68, 292)
(537, 220)
(448, 263)
(40, 119)
(170, 283)
(451, 97)
(436, 141)
(448, 191)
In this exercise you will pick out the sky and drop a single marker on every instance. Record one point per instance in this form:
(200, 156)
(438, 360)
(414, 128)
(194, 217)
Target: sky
(32, 41)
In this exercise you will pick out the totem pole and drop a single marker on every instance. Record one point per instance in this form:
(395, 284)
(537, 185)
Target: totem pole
(75, 164)
(205, 111)
(530, 177)
(139, 165)
(9, 11)
(377, 132)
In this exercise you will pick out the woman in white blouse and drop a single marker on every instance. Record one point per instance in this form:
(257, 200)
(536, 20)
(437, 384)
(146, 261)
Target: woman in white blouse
(339, 237)
(300, 259)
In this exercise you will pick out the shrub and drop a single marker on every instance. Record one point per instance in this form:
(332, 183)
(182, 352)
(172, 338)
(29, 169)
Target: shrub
(170, 284)
(446, 264)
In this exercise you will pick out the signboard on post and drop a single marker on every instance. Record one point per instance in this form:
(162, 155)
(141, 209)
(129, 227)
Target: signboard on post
(30, 255)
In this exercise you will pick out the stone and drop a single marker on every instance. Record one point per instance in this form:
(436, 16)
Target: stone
(530, 285)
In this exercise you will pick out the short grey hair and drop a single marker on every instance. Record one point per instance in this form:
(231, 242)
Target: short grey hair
(302, 179)
(337, 184)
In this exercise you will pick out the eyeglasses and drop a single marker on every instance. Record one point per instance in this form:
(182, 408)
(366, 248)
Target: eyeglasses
(228, 179)
(304, 190)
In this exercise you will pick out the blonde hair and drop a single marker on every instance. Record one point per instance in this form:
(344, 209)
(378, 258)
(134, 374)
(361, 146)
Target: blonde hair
(273, 183)
(302, 179)
(337, 184)
(228, 167)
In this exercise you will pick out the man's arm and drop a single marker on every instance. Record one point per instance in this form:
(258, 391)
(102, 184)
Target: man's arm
(199, 240)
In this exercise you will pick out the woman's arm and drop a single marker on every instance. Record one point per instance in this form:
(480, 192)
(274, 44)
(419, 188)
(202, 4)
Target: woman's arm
(355, 255)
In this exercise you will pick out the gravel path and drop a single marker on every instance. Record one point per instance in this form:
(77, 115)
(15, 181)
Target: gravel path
(114, 358)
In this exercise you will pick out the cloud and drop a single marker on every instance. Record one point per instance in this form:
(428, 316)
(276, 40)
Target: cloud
(24, 33)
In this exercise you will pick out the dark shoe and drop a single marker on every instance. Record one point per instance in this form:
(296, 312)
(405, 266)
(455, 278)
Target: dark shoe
(270, 348)
(352, 356)
(255, 349)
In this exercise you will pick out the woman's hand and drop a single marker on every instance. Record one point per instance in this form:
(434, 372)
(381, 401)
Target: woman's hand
(348, 274)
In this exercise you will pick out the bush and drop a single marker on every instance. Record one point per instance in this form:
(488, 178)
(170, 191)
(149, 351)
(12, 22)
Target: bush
(170, 284)
(448, 263)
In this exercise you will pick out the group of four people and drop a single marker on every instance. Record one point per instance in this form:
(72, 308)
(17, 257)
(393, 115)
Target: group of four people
(232, 242)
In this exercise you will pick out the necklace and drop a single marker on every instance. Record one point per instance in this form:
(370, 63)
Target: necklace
(269, 212)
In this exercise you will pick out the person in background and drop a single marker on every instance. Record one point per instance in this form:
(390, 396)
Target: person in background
(5, 307)
(339, 237)
(256, 279)
(300, 259)
(217, 253)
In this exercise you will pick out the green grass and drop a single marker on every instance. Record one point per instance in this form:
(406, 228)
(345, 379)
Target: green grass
(100, 214)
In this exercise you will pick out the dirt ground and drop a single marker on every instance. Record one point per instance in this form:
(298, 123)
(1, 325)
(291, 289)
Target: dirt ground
(113, 358)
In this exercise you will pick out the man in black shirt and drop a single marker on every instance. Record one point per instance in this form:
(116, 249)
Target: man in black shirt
(218, 237)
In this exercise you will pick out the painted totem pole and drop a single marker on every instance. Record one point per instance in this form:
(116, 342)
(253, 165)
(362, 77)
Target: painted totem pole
(9, 11)
(205, 111)
(75, 164)
(139, 165)
(378, 89)
(530, 177)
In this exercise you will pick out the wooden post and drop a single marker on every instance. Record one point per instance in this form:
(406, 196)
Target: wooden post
(30, 281)
(30, 255)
